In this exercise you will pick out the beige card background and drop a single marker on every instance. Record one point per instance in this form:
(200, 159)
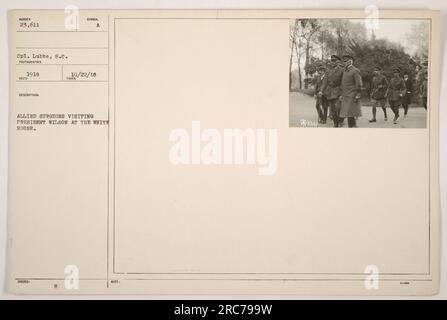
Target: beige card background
(109, 200)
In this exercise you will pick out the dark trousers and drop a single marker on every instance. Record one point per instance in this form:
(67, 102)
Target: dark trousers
(352, 122)
(395, 110)
(376, 104)
(334, 109)
(394, 105)
(405, 105)
(321, 106)
(406, 102)
(325, 108)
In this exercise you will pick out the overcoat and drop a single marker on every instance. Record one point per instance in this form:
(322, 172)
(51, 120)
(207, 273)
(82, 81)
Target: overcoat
(351, 85)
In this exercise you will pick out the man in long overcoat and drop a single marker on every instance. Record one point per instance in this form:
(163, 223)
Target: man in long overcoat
(351, 85)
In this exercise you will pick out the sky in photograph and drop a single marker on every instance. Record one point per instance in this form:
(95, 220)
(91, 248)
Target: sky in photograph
(394, 30)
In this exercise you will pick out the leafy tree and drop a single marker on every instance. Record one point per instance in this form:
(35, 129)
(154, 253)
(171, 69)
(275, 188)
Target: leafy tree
(315, 40)
(379, 53)
(309, 29)
(418, 38)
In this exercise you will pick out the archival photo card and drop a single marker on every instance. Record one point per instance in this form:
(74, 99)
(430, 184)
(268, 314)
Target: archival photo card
(164, 152)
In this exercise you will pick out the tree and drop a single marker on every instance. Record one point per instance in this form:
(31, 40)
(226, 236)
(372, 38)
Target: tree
(309, 29)
(418, 38)
(292, 41)
(379, 53)
(298, 55)
(313, 41)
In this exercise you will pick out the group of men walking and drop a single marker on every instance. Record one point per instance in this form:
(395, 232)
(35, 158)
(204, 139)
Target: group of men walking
(338, 90)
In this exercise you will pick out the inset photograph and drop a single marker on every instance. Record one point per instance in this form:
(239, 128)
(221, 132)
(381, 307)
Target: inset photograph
(359, 73)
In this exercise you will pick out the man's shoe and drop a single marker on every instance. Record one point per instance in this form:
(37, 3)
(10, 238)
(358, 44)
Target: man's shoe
(373, 120)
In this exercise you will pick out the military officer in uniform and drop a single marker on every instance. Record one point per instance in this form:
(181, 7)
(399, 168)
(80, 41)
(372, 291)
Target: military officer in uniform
(351, 85)
(396, 90)
(331, 88)
(320, 99)
(379, 87)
